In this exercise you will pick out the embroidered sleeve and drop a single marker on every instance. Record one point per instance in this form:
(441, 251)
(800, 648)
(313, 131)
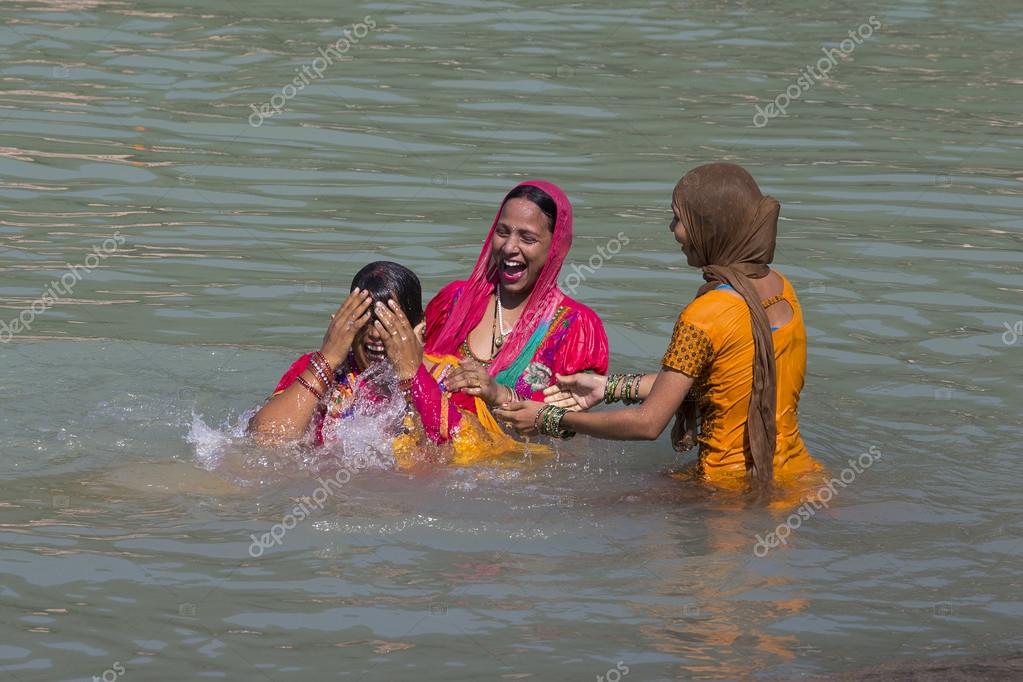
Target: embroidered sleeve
(690, 350)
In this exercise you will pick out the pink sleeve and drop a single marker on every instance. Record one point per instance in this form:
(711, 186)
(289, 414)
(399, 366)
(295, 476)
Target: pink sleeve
(585, 348)
(426, 398)
(296, 368)
(438, 309)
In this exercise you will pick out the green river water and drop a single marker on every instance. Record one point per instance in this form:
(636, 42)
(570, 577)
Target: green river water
(211, 252)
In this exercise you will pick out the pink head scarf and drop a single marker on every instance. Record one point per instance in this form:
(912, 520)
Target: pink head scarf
(543, 302)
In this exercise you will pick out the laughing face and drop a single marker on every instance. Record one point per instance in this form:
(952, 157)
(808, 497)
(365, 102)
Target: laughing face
(520, 245)
(368, 347)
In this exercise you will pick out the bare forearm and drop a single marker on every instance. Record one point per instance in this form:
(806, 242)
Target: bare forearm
(662, 394)
(628, 423)
(646, 384)
(286, 416)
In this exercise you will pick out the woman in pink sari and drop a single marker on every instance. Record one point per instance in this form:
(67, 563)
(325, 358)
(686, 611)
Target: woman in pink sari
(510, 323)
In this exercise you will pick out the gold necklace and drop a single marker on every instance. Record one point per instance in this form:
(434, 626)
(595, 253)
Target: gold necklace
(498, 339)
(467, 352)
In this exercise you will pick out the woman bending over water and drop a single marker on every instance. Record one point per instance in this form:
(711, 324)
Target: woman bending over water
(381, 321)
(509, 322)
(738, 350)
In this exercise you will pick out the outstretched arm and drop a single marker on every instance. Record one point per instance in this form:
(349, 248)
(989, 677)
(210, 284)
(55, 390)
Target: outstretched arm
(641, 422)
(584, 390)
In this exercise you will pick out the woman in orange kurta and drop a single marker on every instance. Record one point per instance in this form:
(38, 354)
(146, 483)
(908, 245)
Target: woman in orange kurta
(737, 357)
(713, 344)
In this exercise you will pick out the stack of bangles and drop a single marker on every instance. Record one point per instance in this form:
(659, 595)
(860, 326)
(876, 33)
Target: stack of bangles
(548, 422)
(630, 388)
(321, 369)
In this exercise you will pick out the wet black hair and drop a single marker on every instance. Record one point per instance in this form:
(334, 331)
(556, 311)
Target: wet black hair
(384, 279)
(539, 197)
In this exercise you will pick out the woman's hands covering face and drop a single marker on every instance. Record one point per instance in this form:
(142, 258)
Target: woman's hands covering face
(402, 342)
(352, 316)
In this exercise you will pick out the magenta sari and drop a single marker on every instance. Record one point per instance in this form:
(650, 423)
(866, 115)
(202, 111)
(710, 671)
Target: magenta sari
(555, 335)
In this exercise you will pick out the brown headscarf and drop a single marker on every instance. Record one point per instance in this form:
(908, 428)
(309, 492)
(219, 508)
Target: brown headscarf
(730, 233)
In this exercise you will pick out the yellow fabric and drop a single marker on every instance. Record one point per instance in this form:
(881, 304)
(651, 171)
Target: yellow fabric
(713, 343)
(478, 439)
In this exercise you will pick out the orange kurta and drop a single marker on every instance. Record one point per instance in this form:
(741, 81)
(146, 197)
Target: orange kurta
(713, 343)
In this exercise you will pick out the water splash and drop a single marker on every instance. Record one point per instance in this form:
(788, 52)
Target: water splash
(361, 440)
(377, 412)
(211, 443)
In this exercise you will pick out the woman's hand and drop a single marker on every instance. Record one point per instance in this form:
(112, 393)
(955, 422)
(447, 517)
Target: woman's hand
(682, 439)
(520, 416)
(472, 378)
(402, 342)
(576, 392)
(344, 325)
